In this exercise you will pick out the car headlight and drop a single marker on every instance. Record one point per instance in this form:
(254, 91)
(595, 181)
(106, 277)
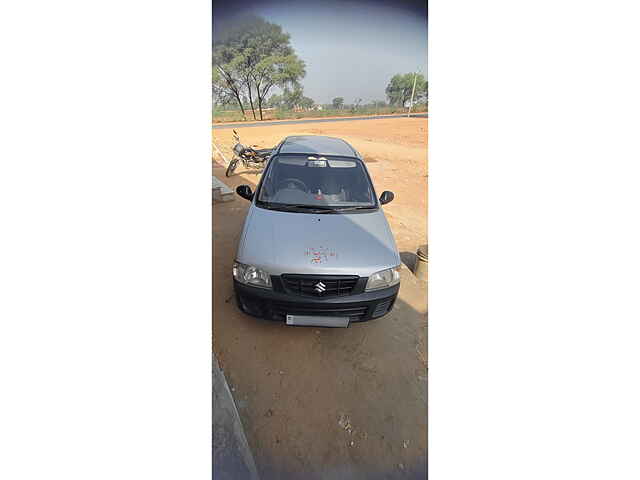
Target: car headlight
(383, 279)
(250, 275)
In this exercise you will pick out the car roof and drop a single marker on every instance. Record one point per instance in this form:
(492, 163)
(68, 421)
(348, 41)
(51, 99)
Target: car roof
(318, 145)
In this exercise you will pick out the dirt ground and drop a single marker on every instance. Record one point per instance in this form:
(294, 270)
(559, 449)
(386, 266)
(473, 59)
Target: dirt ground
(321, 403)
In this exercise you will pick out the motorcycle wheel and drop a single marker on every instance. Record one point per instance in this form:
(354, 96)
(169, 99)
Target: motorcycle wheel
(232, 166)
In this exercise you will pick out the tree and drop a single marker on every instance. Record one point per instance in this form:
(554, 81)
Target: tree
(307, 103)
(400, 87)
(253, 56)
(276, 70)
(275, 101)
(226, 81)
(337, 102)
(292, 98)
(221, 96)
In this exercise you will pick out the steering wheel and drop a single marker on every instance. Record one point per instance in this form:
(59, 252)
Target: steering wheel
(295, 182)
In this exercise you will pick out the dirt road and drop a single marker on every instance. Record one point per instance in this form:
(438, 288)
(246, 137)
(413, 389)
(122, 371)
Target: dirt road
(312, 120)
(332, 403)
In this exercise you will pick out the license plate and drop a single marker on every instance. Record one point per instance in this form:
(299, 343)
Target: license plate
(314, 321)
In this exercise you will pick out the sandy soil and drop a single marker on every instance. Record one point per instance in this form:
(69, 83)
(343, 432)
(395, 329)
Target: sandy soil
(332, 403)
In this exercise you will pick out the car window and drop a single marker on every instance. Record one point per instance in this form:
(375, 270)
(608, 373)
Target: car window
(316, 181)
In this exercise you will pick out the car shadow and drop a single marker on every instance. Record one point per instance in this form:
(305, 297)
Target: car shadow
(410, 259)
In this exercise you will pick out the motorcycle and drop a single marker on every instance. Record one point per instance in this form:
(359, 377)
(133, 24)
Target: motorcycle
(248, 156)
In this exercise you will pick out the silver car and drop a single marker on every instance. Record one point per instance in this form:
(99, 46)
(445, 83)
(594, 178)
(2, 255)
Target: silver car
(316, 248)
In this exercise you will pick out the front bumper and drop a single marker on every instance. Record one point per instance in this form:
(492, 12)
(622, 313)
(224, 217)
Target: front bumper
(273, 305)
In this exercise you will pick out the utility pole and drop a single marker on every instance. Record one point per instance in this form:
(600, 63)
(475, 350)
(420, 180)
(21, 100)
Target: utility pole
(415, 77)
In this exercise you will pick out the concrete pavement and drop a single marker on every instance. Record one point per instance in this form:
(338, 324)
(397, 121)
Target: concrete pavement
(232, 458)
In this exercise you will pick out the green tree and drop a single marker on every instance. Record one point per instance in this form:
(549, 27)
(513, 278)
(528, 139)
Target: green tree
(337, 102)
(253, 56)
(275, 101)
(307, 103)
(292, 98)
(218, 94)
(400, 87)
(276, 71)
(226, 82)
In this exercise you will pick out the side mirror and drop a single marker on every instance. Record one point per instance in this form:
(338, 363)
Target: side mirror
(245, 192)
(386, 197)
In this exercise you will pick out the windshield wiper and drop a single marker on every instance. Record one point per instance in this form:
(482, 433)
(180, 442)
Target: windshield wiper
(360, 207)
(288, 207)
(315, 208)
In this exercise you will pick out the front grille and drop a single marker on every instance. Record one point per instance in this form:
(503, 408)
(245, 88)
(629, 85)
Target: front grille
(319, 285)
(282, 309)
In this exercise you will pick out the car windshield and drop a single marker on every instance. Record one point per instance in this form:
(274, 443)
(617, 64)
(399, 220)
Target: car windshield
(309, 182)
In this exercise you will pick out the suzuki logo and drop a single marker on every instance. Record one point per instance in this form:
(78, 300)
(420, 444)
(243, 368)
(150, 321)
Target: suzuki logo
(320, 287)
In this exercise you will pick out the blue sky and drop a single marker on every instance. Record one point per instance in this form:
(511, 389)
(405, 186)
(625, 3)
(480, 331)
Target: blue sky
(351, 49)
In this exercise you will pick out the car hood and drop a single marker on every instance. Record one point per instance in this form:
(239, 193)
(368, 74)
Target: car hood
(332, 244)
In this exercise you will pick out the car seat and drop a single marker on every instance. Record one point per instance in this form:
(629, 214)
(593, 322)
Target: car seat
(331, 188)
